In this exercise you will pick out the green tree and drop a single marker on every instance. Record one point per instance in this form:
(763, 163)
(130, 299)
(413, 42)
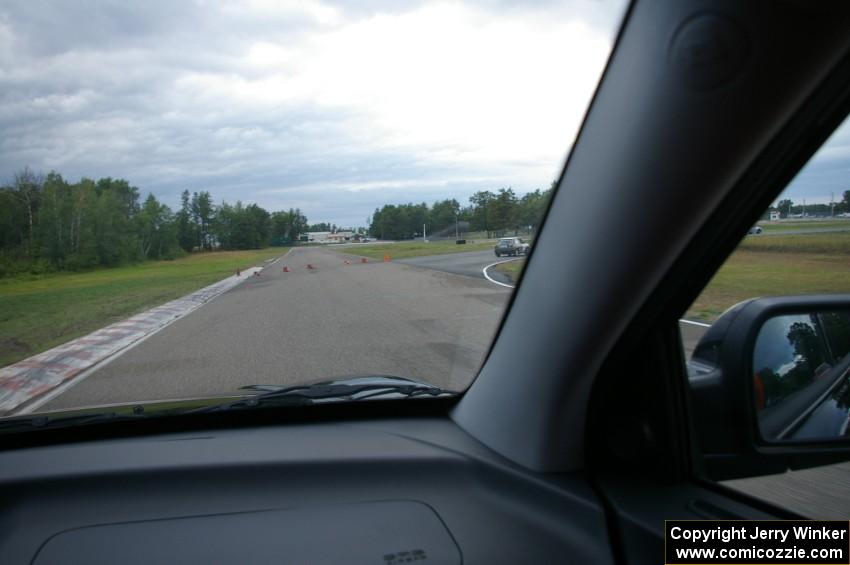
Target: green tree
(480, 202)
(13, 225)
(54, 219)
(531, 208)
(186, 228)
(417, 217)
(287, 227)
(157, 230)
(203, 212)
(82, 233)
(27, 190)
(127, 197)
(223, 225)
(501, 211)
(115, 242)
(259, 222)
(443, 216)
(320, 227)
(242, 227)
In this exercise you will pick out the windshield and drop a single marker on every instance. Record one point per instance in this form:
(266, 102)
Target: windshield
(200, 199)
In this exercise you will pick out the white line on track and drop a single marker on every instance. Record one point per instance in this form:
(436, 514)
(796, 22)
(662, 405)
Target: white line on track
(486, 276)
(691, 322)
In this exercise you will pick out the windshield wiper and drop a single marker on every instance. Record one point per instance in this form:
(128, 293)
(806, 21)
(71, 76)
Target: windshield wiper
(45, 421)
(75, 418)
(347, 390)
(350, 389)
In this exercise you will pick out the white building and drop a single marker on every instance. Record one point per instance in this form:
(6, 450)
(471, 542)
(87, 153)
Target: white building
(329, 237)
(318, 236)
(340, 237)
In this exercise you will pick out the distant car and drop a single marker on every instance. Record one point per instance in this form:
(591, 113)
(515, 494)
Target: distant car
(511, 246)
(755, 230)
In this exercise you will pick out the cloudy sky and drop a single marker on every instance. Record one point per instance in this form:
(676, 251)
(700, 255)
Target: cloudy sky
(827, 175)
(335, 109)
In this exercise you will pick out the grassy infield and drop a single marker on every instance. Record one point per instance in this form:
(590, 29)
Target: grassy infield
(777, 265)
(770, 265)
(39, 312)
(415, 249)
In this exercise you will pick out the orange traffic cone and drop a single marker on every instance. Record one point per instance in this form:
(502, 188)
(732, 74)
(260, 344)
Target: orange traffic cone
(386, 258)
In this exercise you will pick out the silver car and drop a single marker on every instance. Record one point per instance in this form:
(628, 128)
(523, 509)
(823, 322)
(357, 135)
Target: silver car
(512, 246)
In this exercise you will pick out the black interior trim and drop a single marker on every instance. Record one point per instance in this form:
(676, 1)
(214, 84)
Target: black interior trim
(803, 134)
(806, 132)
(371, 410)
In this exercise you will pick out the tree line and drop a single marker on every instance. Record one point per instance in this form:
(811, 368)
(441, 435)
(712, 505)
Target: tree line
(788, 208)
(496, 213)
(48, 223)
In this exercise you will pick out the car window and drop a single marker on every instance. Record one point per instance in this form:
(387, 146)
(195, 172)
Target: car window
(801, 245)
(213, 200)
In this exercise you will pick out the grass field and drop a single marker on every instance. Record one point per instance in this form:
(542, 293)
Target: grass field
(511, 269)
(834, 243)
(748, 274)
(766, 266)
(788, 226)
(38, 312)
(777, 265)
(407, 249)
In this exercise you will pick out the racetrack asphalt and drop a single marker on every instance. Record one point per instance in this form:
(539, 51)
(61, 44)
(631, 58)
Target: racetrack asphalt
(309, 325)
(470, 264)
(411, 318)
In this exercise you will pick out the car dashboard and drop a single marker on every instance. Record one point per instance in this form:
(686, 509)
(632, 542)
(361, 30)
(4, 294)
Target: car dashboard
(412, 490)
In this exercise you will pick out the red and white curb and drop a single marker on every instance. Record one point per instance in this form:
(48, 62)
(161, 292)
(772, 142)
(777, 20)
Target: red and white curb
(36, 376)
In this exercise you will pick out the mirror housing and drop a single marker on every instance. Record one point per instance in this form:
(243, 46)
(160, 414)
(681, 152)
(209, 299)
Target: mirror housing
(723, 398)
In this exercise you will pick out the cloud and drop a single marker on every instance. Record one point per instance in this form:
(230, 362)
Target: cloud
(338, 107)
(824, 178)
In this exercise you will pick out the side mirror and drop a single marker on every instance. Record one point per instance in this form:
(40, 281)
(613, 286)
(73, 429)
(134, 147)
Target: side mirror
(770, 385)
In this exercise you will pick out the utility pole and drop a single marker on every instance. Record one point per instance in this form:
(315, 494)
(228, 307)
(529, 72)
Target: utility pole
(424, 236)
(457, 235)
